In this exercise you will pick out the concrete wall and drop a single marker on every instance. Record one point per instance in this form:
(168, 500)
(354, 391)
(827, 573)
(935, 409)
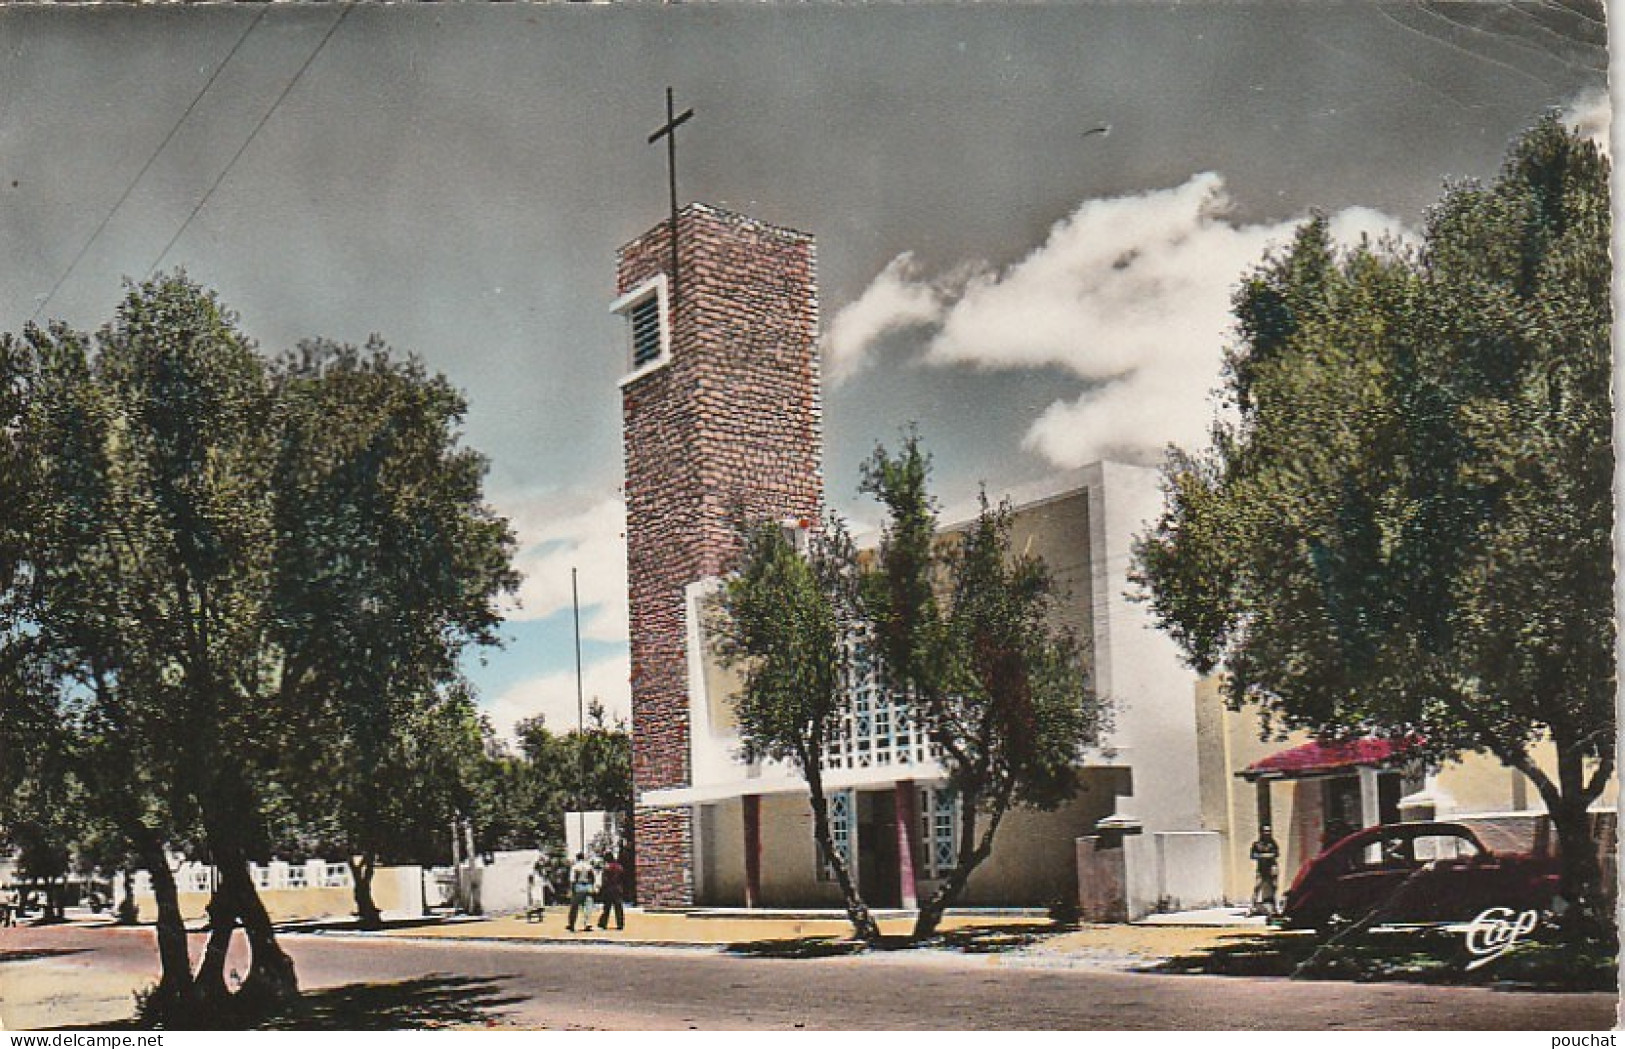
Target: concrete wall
(1136, 666)
(1034, 861)
(398, 892)
(1480, 783)
(505, 881)
(1102, 878)
(1189, 869)
(789, 856)
(1229, 742)
(1125, 878)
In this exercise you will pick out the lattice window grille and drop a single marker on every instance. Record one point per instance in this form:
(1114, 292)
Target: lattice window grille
(939, 821)
(874, 728)
(841, 817)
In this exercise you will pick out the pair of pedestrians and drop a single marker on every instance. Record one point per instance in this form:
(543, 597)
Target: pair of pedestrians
(607, 885)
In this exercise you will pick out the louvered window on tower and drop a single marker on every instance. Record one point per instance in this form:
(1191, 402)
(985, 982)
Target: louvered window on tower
(646, 342)
(644, 308)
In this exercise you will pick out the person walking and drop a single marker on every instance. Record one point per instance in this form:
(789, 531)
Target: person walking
(612, 886)
(583, 883)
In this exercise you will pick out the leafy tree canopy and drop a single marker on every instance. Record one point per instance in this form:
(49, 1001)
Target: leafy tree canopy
(1406, 527)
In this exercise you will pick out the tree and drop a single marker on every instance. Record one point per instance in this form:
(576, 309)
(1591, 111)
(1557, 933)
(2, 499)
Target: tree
(387, 564)
(232, 574)
(389, 802)
(585, 770)
(132, 575)
(1406, 529)
(788, 620)
(967, 632)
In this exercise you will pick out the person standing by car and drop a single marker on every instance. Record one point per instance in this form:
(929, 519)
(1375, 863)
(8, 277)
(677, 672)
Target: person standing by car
(1266, 856)
(612, 886)
(583, 883)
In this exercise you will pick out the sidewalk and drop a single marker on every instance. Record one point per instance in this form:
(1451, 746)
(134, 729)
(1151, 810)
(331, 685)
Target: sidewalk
(1025, 936)
(705, 928)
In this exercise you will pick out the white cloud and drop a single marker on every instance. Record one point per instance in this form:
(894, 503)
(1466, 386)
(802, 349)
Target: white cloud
(556, 533)
(895, 301)
(553, 696)
(1592, 113)
(1131, 294)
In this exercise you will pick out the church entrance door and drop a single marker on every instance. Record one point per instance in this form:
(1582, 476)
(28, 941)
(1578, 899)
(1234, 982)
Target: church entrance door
(879, 877)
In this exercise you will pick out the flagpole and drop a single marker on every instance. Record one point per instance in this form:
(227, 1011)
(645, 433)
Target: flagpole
(581, 722)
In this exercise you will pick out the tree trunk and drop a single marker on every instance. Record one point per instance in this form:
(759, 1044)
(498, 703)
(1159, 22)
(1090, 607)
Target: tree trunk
(1585, 916)
(53, 912)
(209, 995)
(174, 959)
(1567, 801)
(271, 980)
(362, 868)
(864, 925)
(128, 912)
(971, 855)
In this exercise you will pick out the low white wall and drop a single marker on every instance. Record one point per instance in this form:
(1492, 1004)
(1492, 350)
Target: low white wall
(505, 881)
(1191, 866)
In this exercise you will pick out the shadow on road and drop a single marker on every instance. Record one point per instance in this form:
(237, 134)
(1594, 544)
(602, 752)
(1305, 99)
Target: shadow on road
(994, 939)
(29, 954)
(801, 947)
(1427, 956)
(355, 925)
(429, 1003)
(1246, 954)
(424, 1004)
(986, 939)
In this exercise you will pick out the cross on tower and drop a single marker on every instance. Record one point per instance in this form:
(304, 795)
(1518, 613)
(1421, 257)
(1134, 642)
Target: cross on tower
(668, 131)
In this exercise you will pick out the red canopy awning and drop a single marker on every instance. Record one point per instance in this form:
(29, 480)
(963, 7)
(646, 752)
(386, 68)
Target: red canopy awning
(1323, 758)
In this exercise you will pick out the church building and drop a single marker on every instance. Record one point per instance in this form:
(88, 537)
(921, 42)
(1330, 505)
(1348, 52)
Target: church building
(723, 423)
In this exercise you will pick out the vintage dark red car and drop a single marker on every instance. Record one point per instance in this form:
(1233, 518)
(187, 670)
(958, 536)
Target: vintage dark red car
(1413, 873)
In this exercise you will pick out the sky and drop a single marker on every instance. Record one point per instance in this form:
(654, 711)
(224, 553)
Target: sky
(1030, 218)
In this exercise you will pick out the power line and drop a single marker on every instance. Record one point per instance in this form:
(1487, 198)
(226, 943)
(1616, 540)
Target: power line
(345, 13)
(85, 247)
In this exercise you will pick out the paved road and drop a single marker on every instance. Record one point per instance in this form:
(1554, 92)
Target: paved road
(402, 983)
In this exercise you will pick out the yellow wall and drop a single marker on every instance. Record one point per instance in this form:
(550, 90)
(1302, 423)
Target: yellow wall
(1058, 532)
(1480, 783)
(391, 889)
(789, 855)
(1227, 743)
(1034, 859)
(722, 855)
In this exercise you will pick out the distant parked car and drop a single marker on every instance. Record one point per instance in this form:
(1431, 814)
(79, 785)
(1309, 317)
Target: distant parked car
(1412, 873)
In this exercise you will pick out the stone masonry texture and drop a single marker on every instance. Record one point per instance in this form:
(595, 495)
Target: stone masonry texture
(729, 430)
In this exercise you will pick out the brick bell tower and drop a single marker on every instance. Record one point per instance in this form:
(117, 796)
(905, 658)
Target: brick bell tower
(722, 417)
